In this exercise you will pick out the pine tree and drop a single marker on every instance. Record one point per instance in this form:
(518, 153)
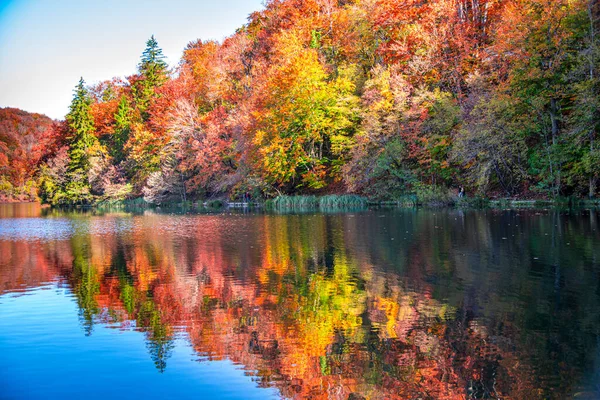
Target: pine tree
(152, 58)
(153, 73)
(81, 142)
(123, 119)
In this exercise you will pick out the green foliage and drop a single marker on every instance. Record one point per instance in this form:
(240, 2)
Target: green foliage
(116, 194)
(491, 148)
(391, 176)
(295, 202)
(472, 202)
(315, 39)
(329, 202)
(444, 115)
(6, 188)
(342, 201)
(153, 61)
(81, 130)
(123, 119)
(433, 195)
(82, 146)
(408, 200)
(215, 204)
(153, 73)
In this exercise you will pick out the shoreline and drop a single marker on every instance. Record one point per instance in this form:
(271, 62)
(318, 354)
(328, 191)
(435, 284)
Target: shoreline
(217, 204)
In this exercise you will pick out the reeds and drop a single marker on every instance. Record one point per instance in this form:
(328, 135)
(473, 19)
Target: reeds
(330, 202)
(342, 201)
(294, 202)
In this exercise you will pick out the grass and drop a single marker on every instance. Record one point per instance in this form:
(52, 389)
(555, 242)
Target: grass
(408, 200)
(137, 202)
(294, 202)
(472, 202)
(342, 201)
(330, 202)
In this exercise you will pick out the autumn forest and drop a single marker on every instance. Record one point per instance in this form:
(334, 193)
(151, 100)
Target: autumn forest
(378, 98)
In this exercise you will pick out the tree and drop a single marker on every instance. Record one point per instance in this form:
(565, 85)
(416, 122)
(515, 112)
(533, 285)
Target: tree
(53, 178)
(23, 143)
(152, 71)
(543, 43)
(82, 143)
(490, 148)
(123, 118)
(306, 126)
(584, 122)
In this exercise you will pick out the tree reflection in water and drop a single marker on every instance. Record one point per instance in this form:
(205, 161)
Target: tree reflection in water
(406, 304)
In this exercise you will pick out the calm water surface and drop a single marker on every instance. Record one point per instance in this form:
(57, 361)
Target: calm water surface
(416, 304)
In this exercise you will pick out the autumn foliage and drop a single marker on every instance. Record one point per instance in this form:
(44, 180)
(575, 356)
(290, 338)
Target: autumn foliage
(377, 97)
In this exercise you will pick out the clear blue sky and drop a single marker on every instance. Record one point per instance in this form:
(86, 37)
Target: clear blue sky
(46, 45)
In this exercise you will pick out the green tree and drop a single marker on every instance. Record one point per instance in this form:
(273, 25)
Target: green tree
(490, 148)
(539, 80)
(82, 145)
(123, 119)
(585, 120)
(153, 73)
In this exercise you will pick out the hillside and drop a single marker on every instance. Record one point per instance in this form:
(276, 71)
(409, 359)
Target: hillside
(22, 139)
(375, 97)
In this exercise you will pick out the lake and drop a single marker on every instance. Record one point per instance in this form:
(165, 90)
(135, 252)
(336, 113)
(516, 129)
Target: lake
(377, 304)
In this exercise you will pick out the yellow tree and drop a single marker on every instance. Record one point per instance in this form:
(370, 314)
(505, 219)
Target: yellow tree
(306, 120)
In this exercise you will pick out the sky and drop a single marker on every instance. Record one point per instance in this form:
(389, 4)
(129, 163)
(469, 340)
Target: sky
(47, 45)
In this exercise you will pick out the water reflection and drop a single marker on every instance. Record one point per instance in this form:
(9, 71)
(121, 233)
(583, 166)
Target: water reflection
(380, 304)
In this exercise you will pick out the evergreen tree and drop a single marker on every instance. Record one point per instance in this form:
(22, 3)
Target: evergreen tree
(123, 119)
(81, 141)
(153, 59)
(153, 73)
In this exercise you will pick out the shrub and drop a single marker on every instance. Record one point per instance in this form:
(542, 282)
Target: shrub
(408, 200)
(215, 203)
(433, 195)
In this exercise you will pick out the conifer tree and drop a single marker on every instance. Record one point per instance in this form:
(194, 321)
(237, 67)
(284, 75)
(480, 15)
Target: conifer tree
(123, 119)
(153, 73)
(81, 141)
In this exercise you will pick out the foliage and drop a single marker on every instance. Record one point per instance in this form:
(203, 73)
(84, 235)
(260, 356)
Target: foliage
(433, 195)
(83, 145)
(491, 148)
(25, 139)
(53, 178)
(379, 98)
(295, 202)
(152, 74)
(343, 201)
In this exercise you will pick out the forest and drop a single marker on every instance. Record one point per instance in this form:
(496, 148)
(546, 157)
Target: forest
(379, 98)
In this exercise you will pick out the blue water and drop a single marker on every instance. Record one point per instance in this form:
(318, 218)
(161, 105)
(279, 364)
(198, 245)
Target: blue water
(46, 354)
(378, 304)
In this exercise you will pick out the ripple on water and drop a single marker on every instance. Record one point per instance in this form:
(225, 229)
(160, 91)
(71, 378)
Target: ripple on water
(35, 229)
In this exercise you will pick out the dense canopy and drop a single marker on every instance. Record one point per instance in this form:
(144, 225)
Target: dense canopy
(377, 97)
